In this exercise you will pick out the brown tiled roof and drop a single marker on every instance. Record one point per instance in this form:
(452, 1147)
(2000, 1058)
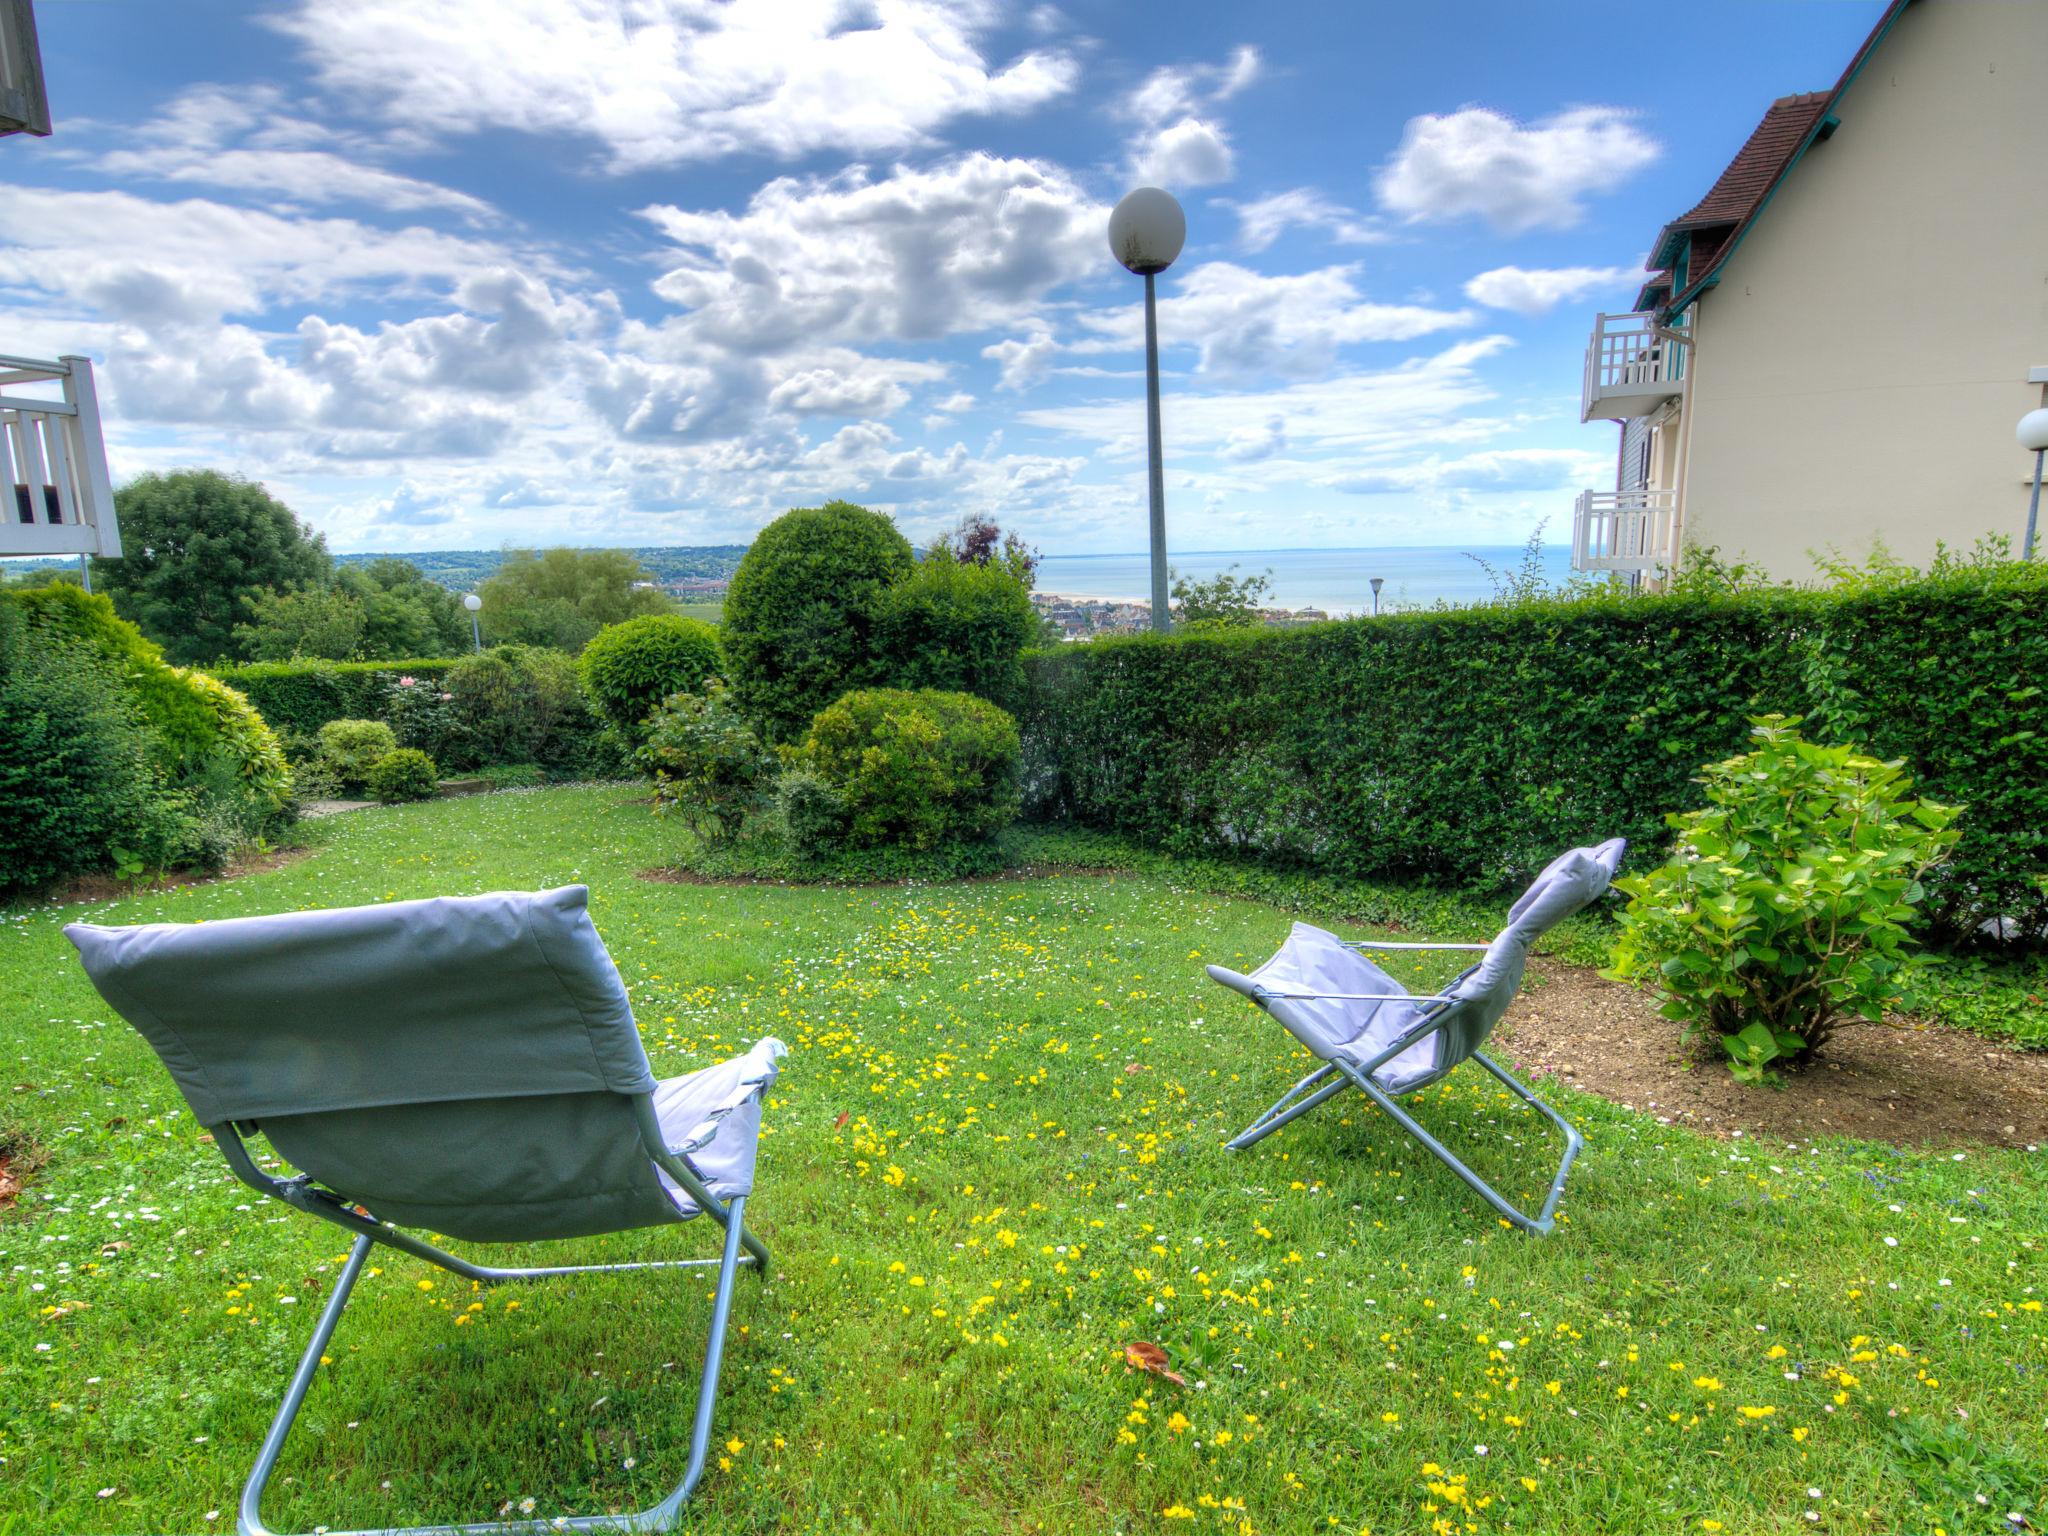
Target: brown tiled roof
(1719, 220)
(1757, 163)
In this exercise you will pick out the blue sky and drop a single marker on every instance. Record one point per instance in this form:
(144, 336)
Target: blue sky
(462, 273)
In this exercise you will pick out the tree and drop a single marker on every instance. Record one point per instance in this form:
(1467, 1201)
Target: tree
(404, 614)
(1225, 601)
(803, 609)
(958, 626)
(560, 598)
(979, 541)
(311, 624)
(199, 545)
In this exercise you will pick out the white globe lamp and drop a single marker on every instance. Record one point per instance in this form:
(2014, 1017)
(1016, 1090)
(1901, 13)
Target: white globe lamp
(2033, 436)
(1146, 231)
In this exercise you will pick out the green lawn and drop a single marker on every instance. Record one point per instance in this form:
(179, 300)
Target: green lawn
(994, 1158)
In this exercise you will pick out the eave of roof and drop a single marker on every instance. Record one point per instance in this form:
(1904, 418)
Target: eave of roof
(1821, 125)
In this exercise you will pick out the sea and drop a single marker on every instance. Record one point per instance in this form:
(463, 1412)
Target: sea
(1338, 581)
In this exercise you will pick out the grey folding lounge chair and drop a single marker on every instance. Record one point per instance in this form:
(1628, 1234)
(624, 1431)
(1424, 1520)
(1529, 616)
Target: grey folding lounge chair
(470, 1067)
(1373, 1036)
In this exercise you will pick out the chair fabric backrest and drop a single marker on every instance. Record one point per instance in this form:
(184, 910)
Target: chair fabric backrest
(1569, 883)
(456, 1064)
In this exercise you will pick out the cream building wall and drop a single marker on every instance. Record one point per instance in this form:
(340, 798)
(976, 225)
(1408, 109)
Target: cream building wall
(1862, 364)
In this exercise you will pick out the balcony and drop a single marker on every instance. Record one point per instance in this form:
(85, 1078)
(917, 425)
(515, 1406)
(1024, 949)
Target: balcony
(1632, 367)
(1623, 531)
(55, 497)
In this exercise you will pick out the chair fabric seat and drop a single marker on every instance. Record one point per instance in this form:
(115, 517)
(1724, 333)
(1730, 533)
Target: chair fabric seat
(712, 1120)
(1344, 1028)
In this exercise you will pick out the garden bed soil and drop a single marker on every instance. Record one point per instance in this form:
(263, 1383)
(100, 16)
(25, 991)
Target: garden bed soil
(1903, 1082)
(113, 888)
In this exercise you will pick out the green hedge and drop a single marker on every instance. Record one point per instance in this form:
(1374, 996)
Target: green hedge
(302, 696)
(1472, 746)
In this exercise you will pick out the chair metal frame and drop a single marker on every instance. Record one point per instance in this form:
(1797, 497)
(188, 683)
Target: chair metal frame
(303, 1194)
(1438, 1010)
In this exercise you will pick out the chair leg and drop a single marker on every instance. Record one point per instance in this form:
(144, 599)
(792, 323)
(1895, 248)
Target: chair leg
(658, 1518)
(1287, 1107)
(1539, 1224)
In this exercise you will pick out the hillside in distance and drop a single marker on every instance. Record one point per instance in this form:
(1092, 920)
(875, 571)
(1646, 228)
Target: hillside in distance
(670, 565)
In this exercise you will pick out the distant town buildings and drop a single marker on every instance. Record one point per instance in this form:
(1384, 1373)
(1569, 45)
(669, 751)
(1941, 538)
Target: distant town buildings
(1084, 618)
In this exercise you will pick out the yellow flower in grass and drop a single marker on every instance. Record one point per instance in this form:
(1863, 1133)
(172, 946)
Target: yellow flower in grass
(1176, 1511)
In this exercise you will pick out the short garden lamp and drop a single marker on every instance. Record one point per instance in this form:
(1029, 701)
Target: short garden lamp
(476, 630)
(1146, 232)
(2034, 437)
(1377, 583)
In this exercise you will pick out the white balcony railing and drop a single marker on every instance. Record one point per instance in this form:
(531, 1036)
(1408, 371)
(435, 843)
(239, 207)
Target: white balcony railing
(1622, 531)
(1632, 367)
(55, 497)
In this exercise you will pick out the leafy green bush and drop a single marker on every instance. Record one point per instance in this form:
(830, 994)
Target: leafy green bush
(802, 612)
(915, 768)
(811, 812)
(421, 714)
(79, 775)
(191, 714)
(708, 766)
(350, 748)
(404, 774)
(301, 696)
(959, 626)
(1470, 746)
(1785, 905)
(522, 704)
(631, 667)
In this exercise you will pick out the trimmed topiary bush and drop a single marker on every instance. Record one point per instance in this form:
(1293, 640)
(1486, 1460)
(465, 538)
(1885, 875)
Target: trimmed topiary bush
(79, 776)
(191, 715)
(298, 697)
(916, 768)
(1785, 905)
(351, 748)
(404, 774)
(955, 625)
(629, 668)
(802, 613)
(707, 764)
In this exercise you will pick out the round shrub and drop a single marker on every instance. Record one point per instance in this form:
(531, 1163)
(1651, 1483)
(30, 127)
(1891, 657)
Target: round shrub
(707, 764)
(960, 626)
(812, 813)
(523, 704)
(801, 615)
(191, 714)
(350, 748)
(915, 768)
(405, 774)
(79, 780)
(1784, 907)
(631, 667)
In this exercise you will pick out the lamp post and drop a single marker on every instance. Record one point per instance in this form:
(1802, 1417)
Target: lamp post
(1377, 583)
(476, 630)
(1146, 232)
(2033, 434)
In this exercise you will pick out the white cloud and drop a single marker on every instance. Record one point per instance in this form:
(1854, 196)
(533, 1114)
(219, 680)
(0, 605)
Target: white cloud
(1247, 322)
(1189, 153)
(244, 141)
(971, 244)
(133, 258)
(844, 383)
(1181, 143)
(658, 82)
(1538, 291)
(1386, 410)
(1024, 361)
(1499, 469)
(1476, 162)
(1266, 219)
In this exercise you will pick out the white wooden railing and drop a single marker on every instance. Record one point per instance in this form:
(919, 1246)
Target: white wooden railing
(1622, 531)
(1632, 366)
(55, 497)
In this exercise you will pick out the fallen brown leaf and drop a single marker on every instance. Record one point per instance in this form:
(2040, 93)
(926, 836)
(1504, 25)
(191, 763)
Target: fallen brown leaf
(1150, 1357)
